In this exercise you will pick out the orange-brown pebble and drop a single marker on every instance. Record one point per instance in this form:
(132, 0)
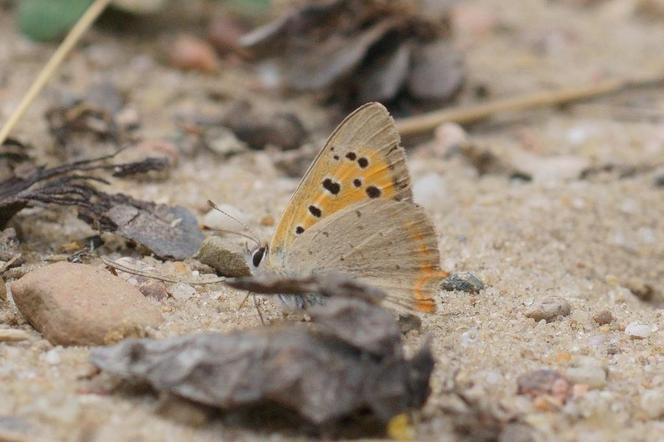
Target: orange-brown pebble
(580, 390)
(546, 403)
(189, 52)
(267, 220)
(180, 267)
(563, 357)
(604, 317)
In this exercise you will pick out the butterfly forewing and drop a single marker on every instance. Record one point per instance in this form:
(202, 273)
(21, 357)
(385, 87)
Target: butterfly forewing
(362, 160)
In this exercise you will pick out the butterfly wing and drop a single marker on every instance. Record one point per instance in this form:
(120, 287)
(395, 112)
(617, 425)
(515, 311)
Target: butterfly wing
(361, 160)
(388, 244)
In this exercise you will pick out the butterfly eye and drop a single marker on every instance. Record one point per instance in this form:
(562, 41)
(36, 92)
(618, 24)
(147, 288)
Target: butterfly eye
(257, 257)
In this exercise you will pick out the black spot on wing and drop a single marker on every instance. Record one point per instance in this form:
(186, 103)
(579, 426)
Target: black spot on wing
(351, 156)
(315, 211)
(357, 182)
(299, 230)
(373, 192)
(363, 163)
(331, 186)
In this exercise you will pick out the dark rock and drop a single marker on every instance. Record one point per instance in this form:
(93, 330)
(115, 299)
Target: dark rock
(464, 282)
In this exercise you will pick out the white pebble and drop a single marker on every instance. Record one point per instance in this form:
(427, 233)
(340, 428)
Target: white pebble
(578, 135)
(652, 402)
(468, 337)
(587, 370)
(52, 357)
(448, 136)
(182, 291)
(429, 190)
(594, 377)
(638, 330)
(647, 235)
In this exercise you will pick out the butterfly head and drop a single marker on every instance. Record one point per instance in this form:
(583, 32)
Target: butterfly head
(258, 255)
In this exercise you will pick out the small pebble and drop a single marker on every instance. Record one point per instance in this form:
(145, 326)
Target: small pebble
(78, 304)
(468, 337)
(652, 403)
(549, 309)
(267, 220)
(449, 136)
(603, 317)
(12, 335)
(659, 181)
(191, 53)
(153, 289)
(544, 382)
(183, 411)
(637, 330)
(429, 190)
(52, 357)
(215, 253)
(464, 282)
(587, 371)
(222, 141)
(182, 291)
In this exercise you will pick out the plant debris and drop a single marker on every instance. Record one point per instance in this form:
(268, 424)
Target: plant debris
(99, 115)
(166, 231)
(363, 51)
(283, 130)
(349, 359)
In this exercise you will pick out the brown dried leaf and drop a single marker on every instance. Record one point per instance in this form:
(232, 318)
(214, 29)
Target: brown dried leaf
(314, 371)
(333, 59)
(359, 50)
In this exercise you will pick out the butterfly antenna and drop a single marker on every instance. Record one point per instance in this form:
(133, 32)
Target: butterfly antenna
(234, 232)
(252, 235)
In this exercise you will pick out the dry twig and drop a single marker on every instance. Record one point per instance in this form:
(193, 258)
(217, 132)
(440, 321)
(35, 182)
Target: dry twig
(421, 124)
(81, 26)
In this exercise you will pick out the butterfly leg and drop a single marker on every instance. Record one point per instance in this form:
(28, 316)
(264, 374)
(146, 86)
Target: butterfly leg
(258, 307)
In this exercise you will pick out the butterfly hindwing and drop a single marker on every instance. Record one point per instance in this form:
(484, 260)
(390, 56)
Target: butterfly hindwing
(388, 244)
(362, 160)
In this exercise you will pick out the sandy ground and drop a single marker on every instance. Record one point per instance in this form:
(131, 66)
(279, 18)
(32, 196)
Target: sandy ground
(587, 240)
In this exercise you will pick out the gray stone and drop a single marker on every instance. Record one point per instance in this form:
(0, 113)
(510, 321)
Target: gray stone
(463, 282)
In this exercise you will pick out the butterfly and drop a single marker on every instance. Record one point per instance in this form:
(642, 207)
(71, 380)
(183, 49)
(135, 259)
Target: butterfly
(353, 214)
